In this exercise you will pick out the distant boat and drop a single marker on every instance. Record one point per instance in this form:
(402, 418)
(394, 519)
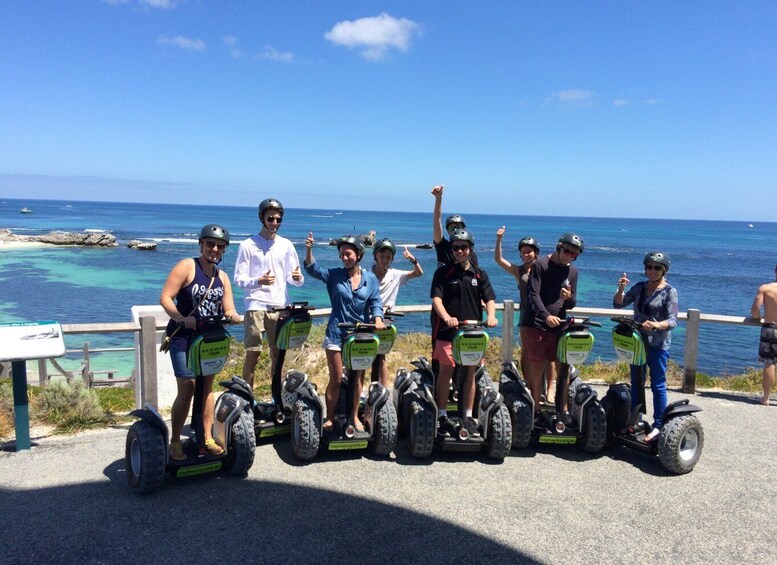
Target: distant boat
(25, 210)
(750, 226)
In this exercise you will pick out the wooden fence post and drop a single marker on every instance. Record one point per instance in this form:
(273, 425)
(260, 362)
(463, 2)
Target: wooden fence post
(691, 350)
(43, 374)
(148, 384)
(508, 340)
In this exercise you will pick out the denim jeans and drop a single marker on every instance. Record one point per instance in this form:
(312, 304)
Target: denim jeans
(657, 359)
(178, 350)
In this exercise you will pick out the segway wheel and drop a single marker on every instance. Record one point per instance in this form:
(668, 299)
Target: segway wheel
(595, 434)
(385, 434)
(145, 455)
(421, 430)
(522, 421)
(500, 434)
(680, 444)
(305, 429)
(242, 446)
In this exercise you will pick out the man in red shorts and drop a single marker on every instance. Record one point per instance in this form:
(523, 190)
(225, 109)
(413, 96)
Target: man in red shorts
(552, 291)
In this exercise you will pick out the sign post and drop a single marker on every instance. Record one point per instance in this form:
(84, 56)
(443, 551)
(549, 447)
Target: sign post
(20, 342)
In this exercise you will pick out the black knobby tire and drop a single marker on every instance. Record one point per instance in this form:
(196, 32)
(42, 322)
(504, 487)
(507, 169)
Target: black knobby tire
(522, 421)
(680, 444)
(500, 434)
(305, 429)
(595, 434)
(242, 446)
(145, 455)
(421, 429)
(385, 436)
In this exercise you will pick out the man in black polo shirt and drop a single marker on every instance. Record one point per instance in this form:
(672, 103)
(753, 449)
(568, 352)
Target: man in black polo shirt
(459, 290)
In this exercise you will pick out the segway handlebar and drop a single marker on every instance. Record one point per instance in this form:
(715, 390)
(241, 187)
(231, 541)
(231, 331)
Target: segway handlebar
(579, 321)
(389, 314)
(210, 321)
(356, 326)
(471, 324)
(294, 306)
(627, 321)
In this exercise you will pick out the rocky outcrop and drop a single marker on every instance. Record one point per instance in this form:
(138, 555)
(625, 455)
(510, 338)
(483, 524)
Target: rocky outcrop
(142, 245)
(64, 238)
(368, 239)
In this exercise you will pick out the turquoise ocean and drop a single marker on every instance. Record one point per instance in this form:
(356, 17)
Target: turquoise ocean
(716, 265)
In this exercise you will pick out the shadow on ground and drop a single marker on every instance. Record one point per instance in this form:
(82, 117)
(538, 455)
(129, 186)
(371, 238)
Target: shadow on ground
(216, 518)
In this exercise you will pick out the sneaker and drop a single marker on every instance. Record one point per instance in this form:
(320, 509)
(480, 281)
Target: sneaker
(445, 427)
(213, 448)
(471, 426)
(176, 451)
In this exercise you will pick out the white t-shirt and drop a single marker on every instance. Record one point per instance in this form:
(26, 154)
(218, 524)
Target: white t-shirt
(255, 257)
(389, 286)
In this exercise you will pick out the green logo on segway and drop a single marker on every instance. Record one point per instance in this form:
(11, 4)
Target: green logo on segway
(387, 337)
(345, 445)
(198, 469)
(207, 356)
(359, 351)
(574, 347)
(629, 348)
(292, 332)
(469, 347)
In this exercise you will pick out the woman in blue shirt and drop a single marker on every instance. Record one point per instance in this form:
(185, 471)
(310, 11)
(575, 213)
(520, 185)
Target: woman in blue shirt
(655, 307)
(355, 296)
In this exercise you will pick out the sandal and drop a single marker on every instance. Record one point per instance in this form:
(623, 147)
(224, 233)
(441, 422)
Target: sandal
(176, 451)
(329, 425)
(213, 447)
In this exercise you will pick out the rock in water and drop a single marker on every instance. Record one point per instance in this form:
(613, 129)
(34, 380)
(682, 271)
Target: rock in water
(142, 245)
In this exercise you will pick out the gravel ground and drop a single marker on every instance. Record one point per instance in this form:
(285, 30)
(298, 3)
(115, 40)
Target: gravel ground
(66, 500)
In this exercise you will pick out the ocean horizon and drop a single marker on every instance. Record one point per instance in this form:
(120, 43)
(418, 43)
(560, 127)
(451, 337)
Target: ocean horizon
(717, 265)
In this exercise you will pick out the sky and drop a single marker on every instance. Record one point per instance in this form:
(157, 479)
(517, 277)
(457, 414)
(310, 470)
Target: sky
(618, 109)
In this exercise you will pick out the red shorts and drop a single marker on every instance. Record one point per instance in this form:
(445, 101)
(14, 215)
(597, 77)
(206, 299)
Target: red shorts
(539, 346)
(443, 353)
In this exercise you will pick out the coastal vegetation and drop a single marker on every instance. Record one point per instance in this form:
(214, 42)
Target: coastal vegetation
(73, 407)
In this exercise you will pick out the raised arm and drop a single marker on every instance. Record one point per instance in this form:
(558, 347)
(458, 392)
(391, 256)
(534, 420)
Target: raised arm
(437, 216)
(417, 269)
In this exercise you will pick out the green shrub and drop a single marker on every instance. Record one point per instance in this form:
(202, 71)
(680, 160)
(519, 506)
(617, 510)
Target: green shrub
(116, 400)
(6, 408)
(69, 407)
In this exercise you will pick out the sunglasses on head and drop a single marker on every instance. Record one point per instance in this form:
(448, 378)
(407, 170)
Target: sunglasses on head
(654, 268)
(217, 244)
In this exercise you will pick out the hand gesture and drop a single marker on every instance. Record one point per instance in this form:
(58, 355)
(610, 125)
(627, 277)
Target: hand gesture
(437, 190)
(500, 232)
(623, 282)
(267, 279)
(407, 255)
(566, 293)
(309, 241)
(296, 274)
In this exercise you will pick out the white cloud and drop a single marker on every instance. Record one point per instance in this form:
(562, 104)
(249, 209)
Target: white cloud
(231, 42)
(181, 42)
(575, 98)
(273, 54)
(373, 37)
(620, 102)
(162, 4)
(653, 101)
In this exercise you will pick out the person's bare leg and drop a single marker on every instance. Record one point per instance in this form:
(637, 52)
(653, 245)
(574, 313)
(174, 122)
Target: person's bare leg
(768, 376)
(358, 385)
(334, 361)
(180, 408)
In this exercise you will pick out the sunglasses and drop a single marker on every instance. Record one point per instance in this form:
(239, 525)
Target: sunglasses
(654, 268)
(460, 247)
(569, 252)
(211, 244)
(454, 227)
(274, 219)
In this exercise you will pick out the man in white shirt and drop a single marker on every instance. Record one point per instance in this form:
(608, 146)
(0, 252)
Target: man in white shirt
(266, 263)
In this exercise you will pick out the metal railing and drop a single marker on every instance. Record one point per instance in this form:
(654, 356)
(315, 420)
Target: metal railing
(148, 329)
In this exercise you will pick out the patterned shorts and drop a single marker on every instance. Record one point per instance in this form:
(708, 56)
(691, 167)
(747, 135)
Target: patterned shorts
(767, 349)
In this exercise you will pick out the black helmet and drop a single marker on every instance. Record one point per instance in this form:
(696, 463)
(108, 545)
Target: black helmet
(355, 242)
(455, 219)
(384, 243)
(267, 204)
(572, 239)
(214, 231)
(531, 242)
(657, 257)
(463, 235)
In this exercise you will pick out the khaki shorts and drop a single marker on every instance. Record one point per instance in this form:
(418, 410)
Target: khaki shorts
(259, 324)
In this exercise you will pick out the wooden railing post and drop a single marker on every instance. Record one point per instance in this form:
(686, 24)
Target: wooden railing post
(691, 350)
(43, 374)
(148, 384)
(508, 342)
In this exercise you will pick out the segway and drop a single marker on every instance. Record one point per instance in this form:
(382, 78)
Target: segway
(271, 419)
(585, 425)
(418, 411)
(147, 447)
(681, 441)
(307, 435)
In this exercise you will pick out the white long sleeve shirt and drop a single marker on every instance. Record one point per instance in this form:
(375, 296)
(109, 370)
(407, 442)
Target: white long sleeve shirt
(255, 257)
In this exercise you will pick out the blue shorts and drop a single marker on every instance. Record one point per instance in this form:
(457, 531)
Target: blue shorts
(178, 348)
